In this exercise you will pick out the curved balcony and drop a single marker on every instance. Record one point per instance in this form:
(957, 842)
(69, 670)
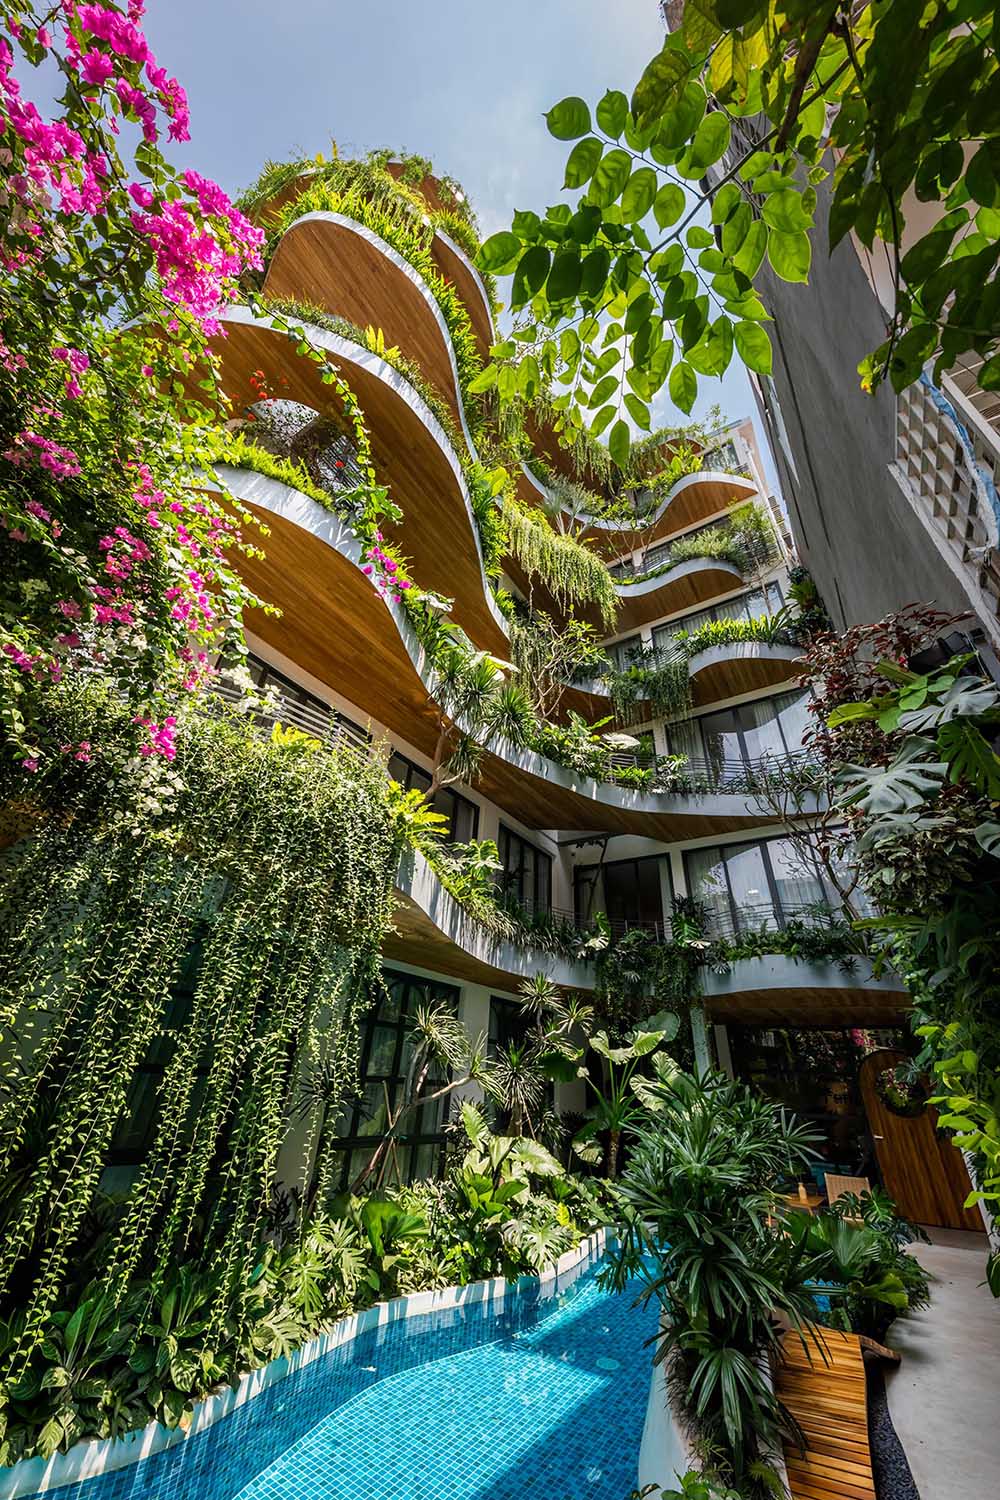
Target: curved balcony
(412, 454)
(338, 264)
(737, 667)
(433, 931)
(775, 990)
(684, 587)
(336, 626)
(334, 261)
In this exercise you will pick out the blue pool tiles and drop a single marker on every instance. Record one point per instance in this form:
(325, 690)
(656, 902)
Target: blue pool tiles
(535, 1397)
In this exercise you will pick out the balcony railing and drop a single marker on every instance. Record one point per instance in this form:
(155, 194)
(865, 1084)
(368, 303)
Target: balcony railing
(708, 775)
(743, 917)
(318, 720)
(947, 462)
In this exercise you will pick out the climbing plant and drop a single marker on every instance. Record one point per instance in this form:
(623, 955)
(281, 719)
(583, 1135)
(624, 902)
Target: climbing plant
(645, 280)
(113, 270)
(215, 915)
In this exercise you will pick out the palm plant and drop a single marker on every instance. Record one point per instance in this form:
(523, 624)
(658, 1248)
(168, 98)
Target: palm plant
(700, 1195)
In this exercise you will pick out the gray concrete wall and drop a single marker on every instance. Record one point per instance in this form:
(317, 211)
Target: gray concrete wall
(867, 551)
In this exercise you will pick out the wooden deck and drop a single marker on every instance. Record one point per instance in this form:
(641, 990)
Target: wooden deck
(828, 1401)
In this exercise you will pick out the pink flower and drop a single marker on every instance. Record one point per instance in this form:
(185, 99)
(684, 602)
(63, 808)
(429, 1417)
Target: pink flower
(96, 68)
(30, 763)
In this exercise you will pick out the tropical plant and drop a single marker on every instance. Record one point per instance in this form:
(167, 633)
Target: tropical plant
(570, 570)
(867, 1277)
(615, 1111)
(699, 1186)
(646, 280)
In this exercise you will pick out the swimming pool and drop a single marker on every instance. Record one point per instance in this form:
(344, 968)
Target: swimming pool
(538, 1395)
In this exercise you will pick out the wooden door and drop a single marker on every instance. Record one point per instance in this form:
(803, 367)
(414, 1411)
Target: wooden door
(921, 1169)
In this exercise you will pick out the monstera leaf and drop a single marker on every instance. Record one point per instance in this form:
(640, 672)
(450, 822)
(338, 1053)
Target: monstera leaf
(901, 787)
(970, 756)
(966, 698)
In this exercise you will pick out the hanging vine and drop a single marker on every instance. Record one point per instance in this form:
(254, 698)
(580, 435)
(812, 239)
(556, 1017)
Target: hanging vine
(261, 869)
(573, 574)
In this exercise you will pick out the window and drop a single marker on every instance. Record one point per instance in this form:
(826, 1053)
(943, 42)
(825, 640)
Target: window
(509, 1024)
(749, 606)
(744, 734)
(632, 893)
(385, 1054)
(462, 815)
(754, 887)
(620, 651)
(526, 873)
(303, 709)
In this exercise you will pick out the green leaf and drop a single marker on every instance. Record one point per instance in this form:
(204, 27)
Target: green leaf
(711, 141)
(564, 277)
(662, 82)
(529, 277)
(602, 391)
(754, 347)
(610, 177)
(785, 211)
(970, 757)
(620, 443)
(581, 162)
(484, 381)
(568, 119)
(751, 253)
(900, 787)
(594, 272)
(700, 238)
(668, 205)
(612, 112)
(683, 386)
(640, 191)
(602, 419)
(499, 254)
(639, 411)
(790, 255)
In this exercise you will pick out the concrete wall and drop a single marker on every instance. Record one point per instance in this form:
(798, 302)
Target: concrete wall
(833, 444)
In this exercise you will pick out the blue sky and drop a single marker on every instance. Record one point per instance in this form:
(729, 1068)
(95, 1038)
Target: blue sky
(465, 84)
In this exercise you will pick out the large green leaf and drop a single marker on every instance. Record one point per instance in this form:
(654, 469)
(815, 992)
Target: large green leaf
(966, 698)
(754, 347)
(790, 255)
(662, 82)
(569, 118)
(612, 113)
(970, 757)
(683, 385)
(610, 177)
(529, 277)
(640, 191)
(499, 254)
(909, 781)
(668, 205)
(581, 161)
(711, 141)
(619, 443)
(564, 277)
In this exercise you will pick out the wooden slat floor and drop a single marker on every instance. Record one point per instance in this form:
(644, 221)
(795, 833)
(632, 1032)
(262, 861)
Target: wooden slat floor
(828, 1401)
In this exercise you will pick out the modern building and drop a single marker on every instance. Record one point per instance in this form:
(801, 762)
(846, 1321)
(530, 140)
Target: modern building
(674, 809)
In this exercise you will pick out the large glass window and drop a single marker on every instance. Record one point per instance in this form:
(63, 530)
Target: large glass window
(526, 873)
(301, 708)
(385, 1056)
(632, 893)
(749, 887)
(742, 735)
(753, 605)
(462, 815)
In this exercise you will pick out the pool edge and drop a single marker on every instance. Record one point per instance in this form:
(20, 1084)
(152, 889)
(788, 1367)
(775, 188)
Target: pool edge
(96, 1456)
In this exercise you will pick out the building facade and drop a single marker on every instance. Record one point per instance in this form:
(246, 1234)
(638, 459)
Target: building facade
(675, 809)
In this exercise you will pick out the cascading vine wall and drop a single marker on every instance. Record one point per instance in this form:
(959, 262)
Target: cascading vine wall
(262, 869)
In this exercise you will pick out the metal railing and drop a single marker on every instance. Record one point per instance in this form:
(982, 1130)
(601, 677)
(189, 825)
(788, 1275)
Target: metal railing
(743, 917)
(318, 720)
(710, 774)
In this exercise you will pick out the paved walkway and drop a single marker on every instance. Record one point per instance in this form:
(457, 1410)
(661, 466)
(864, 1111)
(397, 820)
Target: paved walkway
(944, 1396)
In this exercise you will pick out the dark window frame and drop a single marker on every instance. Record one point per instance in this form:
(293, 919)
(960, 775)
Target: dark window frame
(509, 840)
(781, 914)
(594, 873)
(446, 800)
(349, 1140)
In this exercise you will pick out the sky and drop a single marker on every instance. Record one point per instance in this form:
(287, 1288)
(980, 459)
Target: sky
(461, 82)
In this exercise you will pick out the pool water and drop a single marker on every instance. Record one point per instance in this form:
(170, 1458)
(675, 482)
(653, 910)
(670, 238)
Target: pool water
(540, 1395)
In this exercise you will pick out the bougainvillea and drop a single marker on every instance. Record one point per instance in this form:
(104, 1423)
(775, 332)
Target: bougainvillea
(113, 271)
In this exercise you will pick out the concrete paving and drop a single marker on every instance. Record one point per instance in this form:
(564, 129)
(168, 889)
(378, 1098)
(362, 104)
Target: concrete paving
(944, 1397)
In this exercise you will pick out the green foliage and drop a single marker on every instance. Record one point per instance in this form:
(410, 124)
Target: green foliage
(699, 1191)
(630, 267)
(745, 539)
(221, 912)
(570, 569)
(866, 1272)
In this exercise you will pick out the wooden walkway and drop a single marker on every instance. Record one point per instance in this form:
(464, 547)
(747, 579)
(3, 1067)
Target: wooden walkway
(829, 1403)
